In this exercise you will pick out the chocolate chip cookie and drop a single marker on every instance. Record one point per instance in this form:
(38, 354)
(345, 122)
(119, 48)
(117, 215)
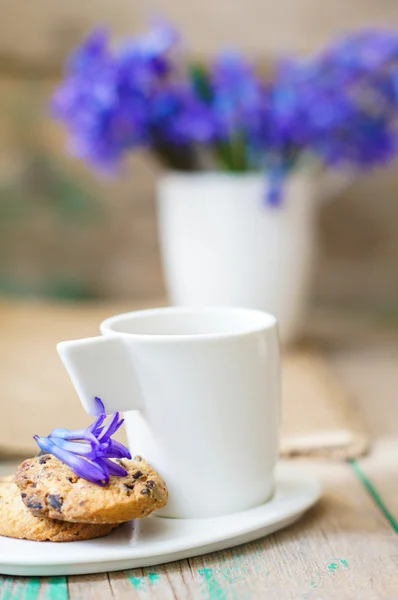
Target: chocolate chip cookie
(49, 488)
(17, 521)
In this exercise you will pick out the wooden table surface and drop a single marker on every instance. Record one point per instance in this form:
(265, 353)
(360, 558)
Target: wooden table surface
(346, 547)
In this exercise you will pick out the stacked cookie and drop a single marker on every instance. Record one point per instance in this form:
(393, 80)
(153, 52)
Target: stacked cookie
(46, 500)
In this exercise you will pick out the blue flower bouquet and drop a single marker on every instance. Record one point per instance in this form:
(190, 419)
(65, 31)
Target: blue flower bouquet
(235, 142)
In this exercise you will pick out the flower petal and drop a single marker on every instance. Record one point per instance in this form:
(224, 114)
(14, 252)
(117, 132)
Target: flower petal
(112, 467)
(94, 427)
(68, 434)
(80, 448)
(87, 451)
(117, 450)
(110, 428)
(100, 407)
(75, 434)
(82, 467)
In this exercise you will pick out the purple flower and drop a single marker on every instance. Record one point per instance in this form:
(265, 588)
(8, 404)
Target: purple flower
(113, 101)
(88, 451)
(238, 96)
(339, 105)
(240, 111)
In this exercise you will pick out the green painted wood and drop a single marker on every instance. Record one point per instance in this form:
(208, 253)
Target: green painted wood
(212, 589)
(5, 588)
(374, 494)
(31, 589)
(57, 589)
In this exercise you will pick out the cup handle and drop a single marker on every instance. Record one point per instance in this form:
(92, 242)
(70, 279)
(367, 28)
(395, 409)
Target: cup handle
(101, 366)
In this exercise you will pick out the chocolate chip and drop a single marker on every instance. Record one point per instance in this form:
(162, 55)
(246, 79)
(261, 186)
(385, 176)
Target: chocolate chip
(150, 484)
(44, 459)
(23, 495)
(34, 484)
(138, 458)
(70, 479)
(129, 486)
(137, 474)
(145, 491)
(76, 533)
(32, 504)
(55, 501)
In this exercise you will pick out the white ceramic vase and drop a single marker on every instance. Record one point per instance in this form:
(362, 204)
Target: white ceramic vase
(222, 244)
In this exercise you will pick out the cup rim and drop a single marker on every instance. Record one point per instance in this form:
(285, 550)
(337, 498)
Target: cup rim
(265, 321)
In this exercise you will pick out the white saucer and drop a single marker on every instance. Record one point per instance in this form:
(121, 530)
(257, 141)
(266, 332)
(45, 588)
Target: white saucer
(158, 540)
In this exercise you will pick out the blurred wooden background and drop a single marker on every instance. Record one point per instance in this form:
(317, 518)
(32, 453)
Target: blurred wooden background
(66, 233)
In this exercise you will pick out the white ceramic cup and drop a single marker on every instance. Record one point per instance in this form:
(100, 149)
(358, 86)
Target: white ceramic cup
(200, 388)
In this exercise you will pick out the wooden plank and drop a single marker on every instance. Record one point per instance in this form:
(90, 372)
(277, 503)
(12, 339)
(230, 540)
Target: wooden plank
(89, 587)
(54, 588)
(369, 371)
(21, 588)
(378, 472)
(33, 588)
(317, 418)
(166, 582)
